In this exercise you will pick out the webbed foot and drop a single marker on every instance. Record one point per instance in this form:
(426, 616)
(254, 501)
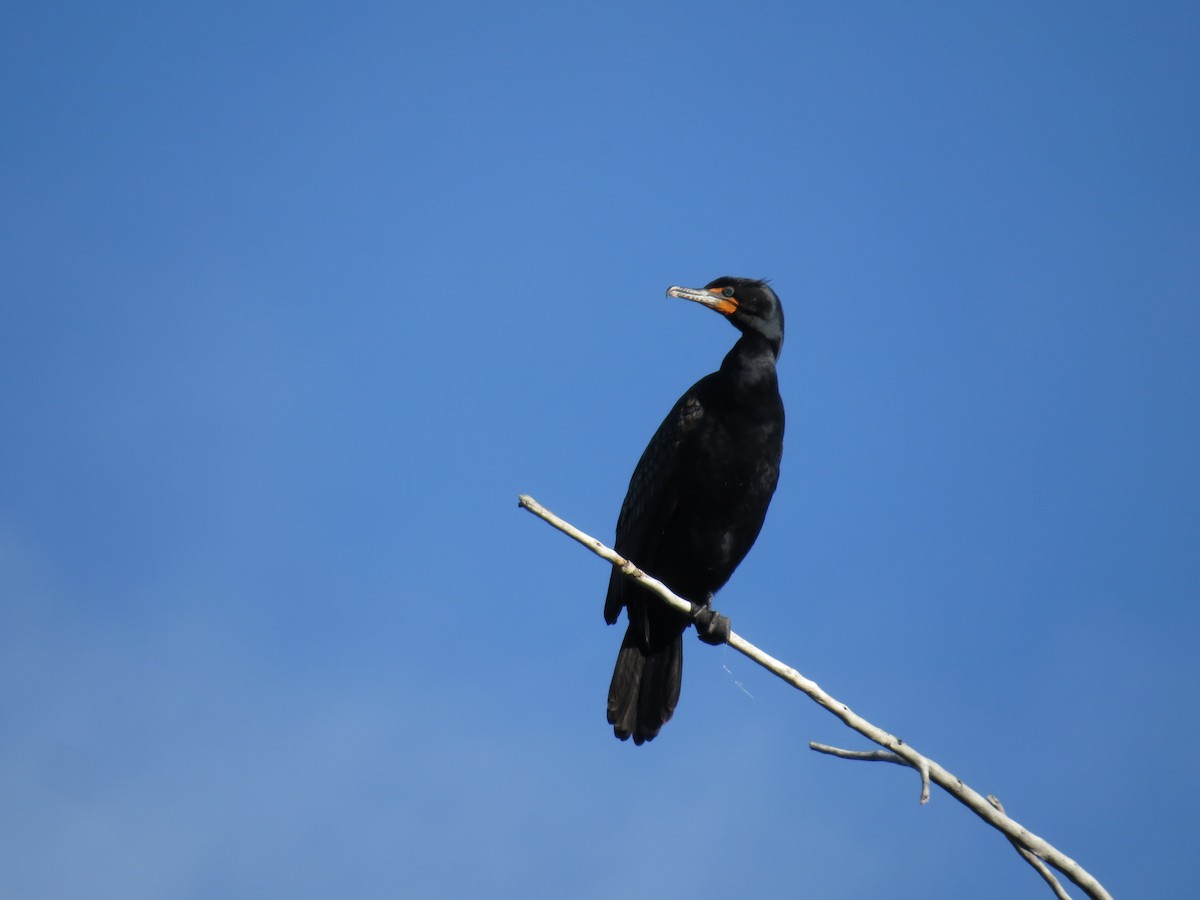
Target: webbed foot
(711, 627)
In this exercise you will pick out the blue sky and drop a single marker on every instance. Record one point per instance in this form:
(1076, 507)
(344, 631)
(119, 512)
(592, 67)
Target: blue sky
(297, 298)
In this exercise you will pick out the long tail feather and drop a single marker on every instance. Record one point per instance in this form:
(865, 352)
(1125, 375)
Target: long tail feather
(645, 686)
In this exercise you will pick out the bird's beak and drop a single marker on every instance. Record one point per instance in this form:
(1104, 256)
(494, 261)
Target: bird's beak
(710, 297)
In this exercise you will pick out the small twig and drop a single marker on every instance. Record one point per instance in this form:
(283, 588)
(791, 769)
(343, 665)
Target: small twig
(868, 755)
(879, 756)
(1014, 831)
(923, 768)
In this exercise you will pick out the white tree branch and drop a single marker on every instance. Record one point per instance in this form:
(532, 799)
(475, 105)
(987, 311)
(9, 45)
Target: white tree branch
(900, 752)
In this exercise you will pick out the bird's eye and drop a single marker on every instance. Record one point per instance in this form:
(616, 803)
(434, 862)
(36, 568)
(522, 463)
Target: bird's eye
(727, 292)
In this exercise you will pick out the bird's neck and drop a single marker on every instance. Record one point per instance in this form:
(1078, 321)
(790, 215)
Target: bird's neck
(750, 364)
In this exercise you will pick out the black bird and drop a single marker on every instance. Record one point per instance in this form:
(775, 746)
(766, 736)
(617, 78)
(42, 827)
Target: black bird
(695, 505)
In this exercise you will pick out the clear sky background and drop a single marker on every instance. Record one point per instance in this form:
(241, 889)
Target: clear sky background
(298, 297)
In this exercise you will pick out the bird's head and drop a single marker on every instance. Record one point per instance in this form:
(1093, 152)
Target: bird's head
(749, 303)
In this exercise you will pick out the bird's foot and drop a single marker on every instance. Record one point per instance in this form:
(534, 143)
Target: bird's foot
(711, 627)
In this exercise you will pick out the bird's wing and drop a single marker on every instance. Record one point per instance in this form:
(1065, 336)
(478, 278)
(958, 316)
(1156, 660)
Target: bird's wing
(653, 494)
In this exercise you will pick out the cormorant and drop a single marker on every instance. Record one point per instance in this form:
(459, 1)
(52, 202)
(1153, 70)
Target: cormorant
(695, 505)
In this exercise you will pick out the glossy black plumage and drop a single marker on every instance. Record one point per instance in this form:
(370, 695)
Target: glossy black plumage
(696, 502)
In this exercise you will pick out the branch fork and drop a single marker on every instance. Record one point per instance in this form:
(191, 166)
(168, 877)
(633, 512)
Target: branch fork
(1035, 850)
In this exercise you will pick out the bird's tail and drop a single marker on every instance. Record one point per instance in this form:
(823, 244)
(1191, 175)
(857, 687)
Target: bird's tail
(645, 685)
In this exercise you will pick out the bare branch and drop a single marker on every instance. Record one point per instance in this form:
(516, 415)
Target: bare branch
(1020, 837)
